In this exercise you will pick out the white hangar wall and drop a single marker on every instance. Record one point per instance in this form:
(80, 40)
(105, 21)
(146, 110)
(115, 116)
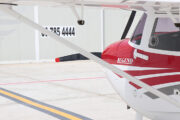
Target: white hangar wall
(87, 36)
(14, 43)
(21, 43)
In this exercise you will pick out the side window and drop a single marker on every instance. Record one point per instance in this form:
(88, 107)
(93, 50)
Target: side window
(165, 36)
(137, 36)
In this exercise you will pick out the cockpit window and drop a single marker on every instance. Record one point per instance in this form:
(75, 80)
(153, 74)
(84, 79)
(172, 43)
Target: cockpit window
(165, 35)
(139, 30)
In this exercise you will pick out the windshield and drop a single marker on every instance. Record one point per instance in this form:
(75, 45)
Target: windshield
(139, 30)
(165, 36)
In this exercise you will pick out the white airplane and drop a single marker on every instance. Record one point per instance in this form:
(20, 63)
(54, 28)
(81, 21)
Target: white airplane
(144, 70)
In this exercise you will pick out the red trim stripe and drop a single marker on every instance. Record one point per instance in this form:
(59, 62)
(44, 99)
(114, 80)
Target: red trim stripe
(148, 72)
(159, 80)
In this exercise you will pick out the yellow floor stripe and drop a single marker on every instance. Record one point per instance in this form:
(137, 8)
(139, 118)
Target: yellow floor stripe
(40, 106)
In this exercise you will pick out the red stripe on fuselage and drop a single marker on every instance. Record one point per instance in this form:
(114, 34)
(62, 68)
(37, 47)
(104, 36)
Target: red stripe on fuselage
(148, 72)
(159, 80)
(154, 80)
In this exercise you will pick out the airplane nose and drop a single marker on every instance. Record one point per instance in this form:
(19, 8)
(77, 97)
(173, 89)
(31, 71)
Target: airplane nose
(110, 53)
(120, 49)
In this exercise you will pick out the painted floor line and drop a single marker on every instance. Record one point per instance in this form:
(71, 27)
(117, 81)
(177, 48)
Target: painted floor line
(40, 106)
(46, 81)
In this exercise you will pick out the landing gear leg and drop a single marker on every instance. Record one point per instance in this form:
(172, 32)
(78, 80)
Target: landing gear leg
(138, 116)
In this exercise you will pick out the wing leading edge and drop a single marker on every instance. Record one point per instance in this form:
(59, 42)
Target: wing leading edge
(158, 6)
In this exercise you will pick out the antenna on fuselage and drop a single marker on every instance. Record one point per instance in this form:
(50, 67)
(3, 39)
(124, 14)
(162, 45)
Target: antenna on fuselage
(129, 23)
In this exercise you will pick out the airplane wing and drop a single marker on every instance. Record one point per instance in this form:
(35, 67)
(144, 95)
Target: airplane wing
(159, 6)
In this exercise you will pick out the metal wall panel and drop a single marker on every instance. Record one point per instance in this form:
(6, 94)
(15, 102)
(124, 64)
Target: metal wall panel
(16, 39)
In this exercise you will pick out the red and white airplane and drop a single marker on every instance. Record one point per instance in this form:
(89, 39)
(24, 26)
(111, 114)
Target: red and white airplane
(144, 69)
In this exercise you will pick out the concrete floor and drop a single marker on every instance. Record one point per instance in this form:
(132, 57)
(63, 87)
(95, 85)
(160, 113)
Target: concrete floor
(79, 87)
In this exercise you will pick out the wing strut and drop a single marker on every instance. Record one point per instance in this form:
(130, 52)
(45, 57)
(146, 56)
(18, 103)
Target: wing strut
(10, 11)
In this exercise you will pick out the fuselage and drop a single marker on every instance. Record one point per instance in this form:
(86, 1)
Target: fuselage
(160, 71)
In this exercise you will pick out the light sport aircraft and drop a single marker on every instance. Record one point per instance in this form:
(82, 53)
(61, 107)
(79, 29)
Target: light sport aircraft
(144, 69)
